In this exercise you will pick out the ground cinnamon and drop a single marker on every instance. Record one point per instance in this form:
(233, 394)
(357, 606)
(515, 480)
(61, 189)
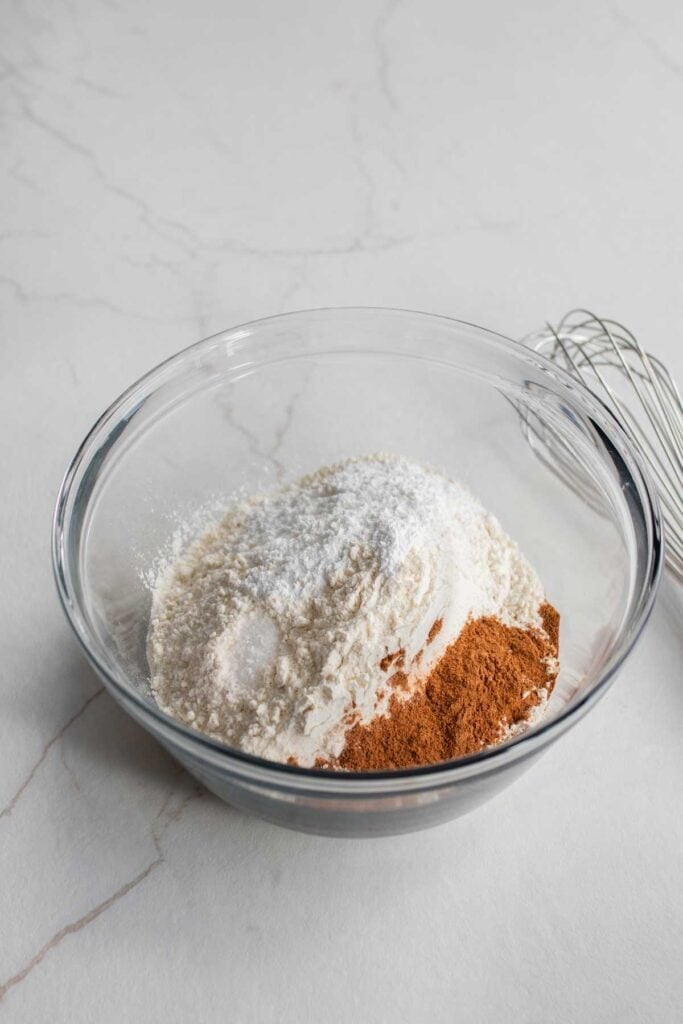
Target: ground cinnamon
(487, 679)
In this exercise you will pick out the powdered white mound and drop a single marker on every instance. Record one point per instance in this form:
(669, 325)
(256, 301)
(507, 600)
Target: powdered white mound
(268, 634)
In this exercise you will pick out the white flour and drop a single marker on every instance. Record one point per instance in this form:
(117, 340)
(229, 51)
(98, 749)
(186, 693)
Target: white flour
(269, 632)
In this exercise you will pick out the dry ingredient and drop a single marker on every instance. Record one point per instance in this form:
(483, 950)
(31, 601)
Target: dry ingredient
(331, 606)
(490, 681)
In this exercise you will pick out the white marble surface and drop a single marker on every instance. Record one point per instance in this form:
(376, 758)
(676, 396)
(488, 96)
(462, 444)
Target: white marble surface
(170, 169)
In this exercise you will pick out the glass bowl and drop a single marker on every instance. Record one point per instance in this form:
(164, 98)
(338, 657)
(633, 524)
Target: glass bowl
(268, 401)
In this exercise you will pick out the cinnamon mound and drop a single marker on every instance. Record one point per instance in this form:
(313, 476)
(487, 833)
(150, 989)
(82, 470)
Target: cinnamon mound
(486, 681)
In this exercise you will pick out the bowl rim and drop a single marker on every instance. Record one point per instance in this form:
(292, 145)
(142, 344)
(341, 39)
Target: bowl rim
(490, 759)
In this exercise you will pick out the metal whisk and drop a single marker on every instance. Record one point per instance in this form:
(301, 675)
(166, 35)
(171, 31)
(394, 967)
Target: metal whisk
(639, 391)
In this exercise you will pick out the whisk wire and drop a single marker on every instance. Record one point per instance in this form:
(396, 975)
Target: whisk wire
(652, 379)
(597, 352)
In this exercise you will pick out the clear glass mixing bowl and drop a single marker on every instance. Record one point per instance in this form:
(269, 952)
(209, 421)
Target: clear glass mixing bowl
(268, 401)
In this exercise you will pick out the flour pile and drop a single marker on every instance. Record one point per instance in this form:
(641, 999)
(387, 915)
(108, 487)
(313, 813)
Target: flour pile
(272, 633)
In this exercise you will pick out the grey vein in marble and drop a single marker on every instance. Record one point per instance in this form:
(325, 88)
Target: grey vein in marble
(382, 51)
(8, 808)
(661, 54)
(161, 822)
(268, 454)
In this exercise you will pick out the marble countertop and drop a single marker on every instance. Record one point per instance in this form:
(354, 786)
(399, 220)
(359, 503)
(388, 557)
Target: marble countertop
(171, 169)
